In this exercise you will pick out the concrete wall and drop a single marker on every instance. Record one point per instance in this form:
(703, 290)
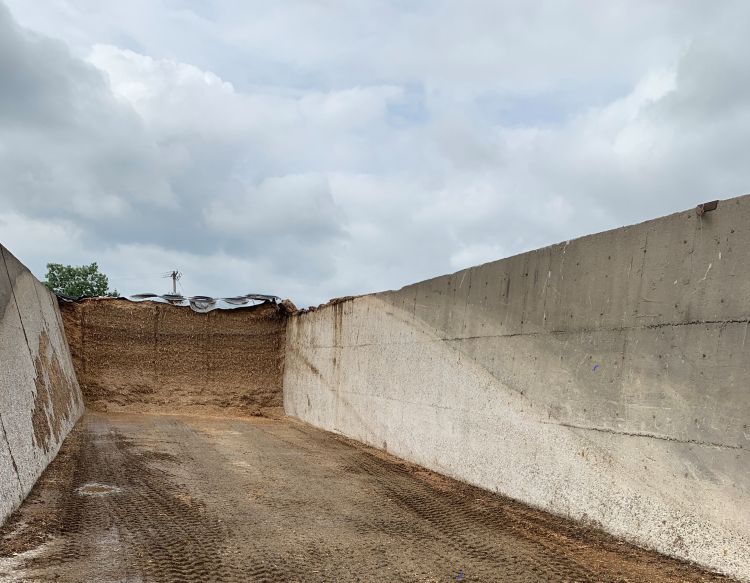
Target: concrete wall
(40, 400)
(605, 379)
(147, 356)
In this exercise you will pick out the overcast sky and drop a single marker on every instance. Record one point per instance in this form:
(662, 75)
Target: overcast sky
(319, 148)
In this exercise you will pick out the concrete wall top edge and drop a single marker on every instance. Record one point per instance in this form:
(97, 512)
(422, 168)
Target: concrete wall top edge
(743, 199)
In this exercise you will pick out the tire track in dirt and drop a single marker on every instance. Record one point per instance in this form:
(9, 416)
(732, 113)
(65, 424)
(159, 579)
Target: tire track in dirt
(467, 542)
(245, 500)
(160, 534)
(493, 534)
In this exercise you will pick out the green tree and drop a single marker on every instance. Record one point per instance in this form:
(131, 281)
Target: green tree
(85, 280)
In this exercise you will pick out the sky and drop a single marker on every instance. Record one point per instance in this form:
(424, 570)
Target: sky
(321, 148)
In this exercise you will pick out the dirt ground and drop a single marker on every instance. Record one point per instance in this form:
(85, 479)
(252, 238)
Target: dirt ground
(141, 498)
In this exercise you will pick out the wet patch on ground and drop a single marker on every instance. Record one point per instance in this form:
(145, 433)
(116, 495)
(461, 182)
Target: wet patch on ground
(95, 489)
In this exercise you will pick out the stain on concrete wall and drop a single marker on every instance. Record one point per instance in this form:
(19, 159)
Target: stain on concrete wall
(603, 379)
(40, 400)
(57, 396)
(147, 356)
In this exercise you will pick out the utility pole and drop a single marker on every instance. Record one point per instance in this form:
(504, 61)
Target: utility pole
(175, 275)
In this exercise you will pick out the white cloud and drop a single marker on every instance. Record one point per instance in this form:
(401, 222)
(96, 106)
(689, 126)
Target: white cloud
(32, 239)
(316, 150)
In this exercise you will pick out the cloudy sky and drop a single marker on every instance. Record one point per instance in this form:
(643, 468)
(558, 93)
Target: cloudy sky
(318, 148)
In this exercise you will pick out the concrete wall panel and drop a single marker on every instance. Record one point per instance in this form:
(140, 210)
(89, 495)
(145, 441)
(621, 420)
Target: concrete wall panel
(19, 388)
(39, 396)
(605, 379)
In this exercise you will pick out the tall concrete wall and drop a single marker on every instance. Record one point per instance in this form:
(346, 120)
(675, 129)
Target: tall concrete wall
(606, 379)
(147, 356)
(40, 400)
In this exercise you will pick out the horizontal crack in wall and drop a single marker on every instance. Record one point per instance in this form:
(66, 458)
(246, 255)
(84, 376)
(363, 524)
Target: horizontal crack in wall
(645, 434)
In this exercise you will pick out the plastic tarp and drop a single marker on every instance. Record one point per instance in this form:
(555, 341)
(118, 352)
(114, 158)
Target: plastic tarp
(201, 304)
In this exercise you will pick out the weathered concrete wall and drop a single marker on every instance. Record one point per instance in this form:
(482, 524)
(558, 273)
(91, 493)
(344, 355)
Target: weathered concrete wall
(40, 400)
(147, 356)
(606, 379)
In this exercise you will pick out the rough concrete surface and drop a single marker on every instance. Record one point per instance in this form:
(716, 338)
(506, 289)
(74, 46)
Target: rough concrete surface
(40, 400)
(167, 498)
(147, 356)
(603, 379)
